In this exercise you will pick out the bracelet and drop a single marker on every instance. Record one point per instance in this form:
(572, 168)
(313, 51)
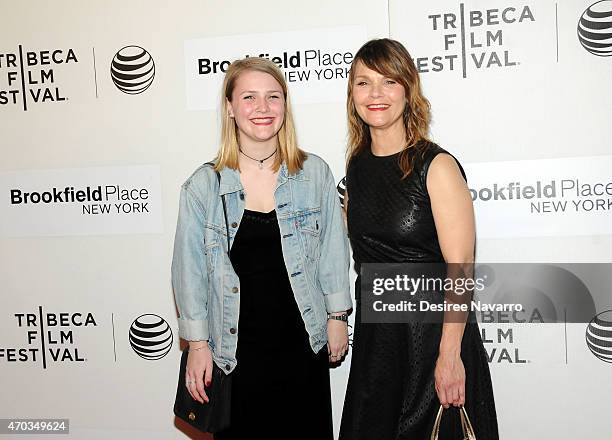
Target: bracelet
(343, 317)
(197, 349)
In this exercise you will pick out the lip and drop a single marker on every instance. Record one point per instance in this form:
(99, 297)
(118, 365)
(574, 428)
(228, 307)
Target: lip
(378, 107)
(262, 121)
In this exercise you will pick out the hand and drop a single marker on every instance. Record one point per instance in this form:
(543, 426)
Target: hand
(450, 380)
(337, 339)
(199, 370)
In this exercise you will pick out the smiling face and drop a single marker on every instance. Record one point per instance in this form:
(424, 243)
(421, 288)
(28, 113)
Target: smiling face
(379, 100)
(258, 107)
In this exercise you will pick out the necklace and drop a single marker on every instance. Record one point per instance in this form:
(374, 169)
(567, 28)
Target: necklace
(261, 161)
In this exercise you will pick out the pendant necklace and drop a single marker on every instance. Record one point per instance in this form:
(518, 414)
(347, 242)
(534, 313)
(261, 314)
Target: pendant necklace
(261, 161)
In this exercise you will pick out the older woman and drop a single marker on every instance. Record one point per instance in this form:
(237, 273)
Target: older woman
(271, 309)
(407, 202)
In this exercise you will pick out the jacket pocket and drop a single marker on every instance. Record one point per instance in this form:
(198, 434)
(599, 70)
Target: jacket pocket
(309, 227)
(212, 246)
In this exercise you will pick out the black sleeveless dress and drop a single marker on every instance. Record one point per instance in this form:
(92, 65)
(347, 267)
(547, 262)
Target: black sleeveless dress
(391, 393)
(280, 387)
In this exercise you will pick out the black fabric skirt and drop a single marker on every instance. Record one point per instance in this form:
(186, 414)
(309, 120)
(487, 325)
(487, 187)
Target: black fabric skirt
(391, 388)
(280, 387)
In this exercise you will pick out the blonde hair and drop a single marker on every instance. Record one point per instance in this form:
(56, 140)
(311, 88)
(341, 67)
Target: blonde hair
(229, 152)
(391, 59)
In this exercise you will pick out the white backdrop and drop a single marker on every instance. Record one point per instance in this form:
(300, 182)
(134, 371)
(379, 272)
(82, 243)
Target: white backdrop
(528, 104)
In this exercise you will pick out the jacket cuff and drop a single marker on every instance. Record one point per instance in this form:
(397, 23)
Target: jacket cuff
(338, 302)
(193, 329)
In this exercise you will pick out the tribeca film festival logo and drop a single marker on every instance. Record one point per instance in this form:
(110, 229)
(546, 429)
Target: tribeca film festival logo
(151, 337)
(132, 70)
(48, 337)
(110, 198)
(595, 28)
(473, 39)
(30, 76)
(557, 195)
(599, 336)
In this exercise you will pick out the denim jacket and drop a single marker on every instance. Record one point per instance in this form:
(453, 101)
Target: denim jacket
(314, 243)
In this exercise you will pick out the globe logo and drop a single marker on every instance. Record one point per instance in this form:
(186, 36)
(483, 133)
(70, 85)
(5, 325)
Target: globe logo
(595, 28)
(599, 336)
(150, 337)
(132, 70)
(341, 187)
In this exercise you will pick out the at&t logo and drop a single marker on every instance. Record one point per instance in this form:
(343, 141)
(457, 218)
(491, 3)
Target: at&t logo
(595, 28)
(132, 70)
(341, 187)
(151, 337)
(599, 336)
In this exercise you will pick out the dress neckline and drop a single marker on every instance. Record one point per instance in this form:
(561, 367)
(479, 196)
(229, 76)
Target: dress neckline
(261, 213)
(371, 153)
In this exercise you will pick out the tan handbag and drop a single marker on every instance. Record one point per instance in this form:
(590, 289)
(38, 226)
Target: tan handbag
(466, 425)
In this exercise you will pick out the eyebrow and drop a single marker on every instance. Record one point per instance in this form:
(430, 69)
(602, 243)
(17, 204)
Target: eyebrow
(256, 91)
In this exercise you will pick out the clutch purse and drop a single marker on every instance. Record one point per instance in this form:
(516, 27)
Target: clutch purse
(466, 425)
(213, 416)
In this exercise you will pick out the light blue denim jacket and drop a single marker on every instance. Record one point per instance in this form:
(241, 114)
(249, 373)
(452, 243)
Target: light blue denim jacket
(315, 250)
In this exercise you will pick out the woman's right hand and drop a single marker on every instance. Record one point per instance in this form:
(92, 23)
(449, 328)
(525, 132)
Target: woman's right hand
(199, 370)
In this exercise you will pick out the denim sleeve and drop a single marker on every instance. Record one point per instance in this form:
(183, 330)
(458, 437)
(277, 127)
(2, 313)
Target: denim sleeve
(334, 262)
(189, 271)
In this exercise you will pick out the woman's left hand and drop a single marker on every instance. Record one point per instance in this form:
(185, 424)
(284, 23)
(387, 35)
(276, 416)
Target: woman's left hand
(337, 339)
(450, 380)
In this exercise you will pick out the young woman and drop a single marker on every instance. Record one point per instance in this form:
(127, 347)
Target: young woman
(271, 310)
(407, 201)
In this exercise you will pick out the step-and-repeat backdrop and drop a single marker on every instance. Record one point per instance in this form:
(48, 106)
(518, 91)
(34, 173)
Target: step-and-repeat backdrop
(107, 107)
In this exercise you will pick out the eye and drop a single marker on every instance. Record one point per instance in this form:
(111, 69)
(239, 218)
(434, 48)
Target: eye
(274, 96)
(390, 81)
(361, 83)
(248, 97)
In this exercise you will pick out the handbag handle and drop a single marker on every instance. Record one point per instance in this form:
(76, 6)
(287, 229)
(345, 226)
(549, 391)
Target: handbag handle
(466, 425)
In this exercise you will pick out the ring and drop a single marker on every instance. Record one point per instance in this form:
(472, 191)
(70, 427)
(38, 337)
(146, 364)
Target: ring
(189, 381)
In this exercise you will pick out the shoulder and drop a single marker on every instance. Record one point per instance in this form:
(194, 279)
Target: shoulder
(315, 167)
(435, 159)
(201, 180)
(428, 151)
(355, 161)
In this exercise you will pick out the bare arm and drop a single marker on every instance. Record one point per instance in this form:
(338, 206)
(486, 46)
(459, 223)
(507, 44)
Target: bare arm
(453, 213)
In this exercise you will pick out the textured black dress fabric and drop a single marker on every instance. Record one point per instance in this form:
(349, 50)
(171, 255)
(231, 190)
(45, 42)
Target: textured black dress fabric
(280, 388)
(391, 388)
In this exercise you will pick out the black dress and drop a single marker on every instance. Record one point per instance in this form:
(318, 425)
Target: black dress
(280, 387)
(391, 393)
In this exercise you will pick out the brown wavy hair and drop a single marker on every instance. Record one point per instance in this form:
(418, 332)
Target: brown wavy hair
(229, 151)
(391, 59)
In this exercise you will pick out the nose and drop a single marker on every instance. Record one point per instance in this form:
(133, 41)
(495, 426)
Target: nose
(376, 90)
(262, 105)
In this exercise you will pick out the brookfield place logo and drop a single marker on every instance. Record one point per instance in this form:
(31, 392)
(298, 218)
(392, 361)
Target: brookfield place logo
(545, 196)
(595, 28)
(599, 336)
(151, 337)
(315, 62)
(474, 39)
(132, 70)
(116, 199)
